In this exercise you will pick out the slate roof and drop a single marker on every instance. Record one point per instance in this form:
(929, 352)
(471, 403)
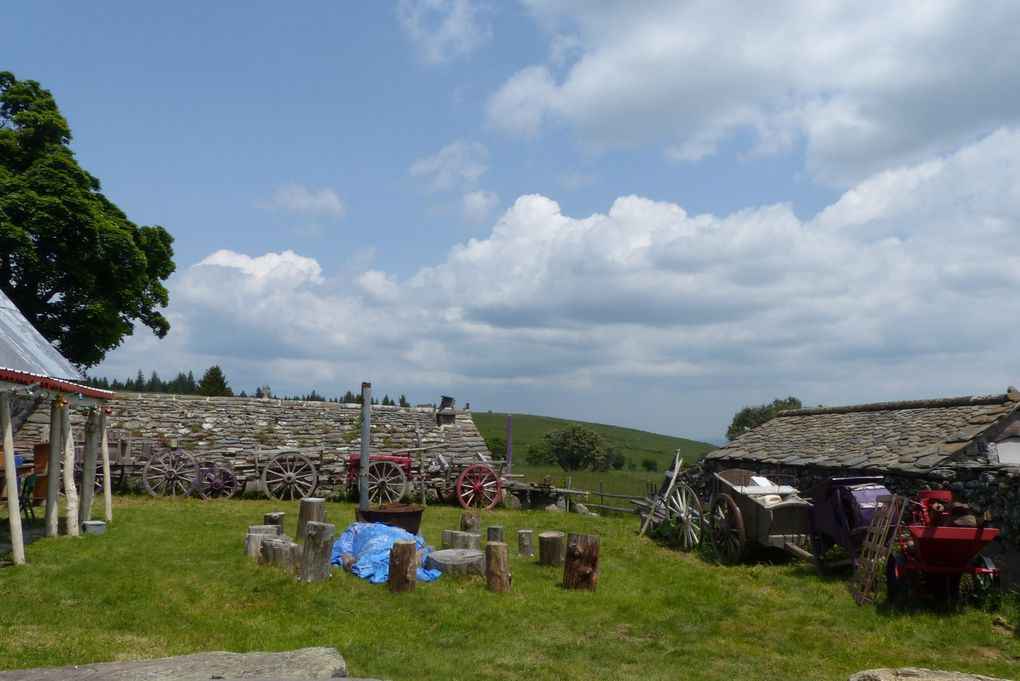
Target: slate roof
(910, 437)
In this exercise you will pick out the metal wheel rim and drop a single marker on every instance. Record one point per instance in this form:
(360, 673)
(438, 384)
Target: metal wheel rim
(478, 488)
(386, 482)
(218, 482)
(683, 511)
(289, 476)
(726, 528)
(169, 472)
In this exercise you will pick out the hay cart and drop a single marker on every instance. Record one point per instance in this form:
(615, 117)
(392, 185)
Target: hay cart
(746, 507)
(939, 561)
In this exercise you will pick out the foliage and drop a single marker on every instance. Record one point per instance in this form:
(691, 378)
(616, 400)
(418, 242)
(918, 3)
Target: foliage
(617, 460)
(753, 416)
(70, 260)
(537, 454)
(138, 591)
(649, 464)
(575, 448)
(214, 383)
(496, 446)
(403, 401)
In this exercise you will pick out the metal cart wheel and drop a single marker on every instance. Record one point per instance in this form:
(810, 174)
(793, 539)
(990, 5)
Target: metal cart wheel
(289, 476)
(978, 587)
(726, 528)
(478, 488)
(170, 472)
(683, 513)
(218, 482)
(386, 482)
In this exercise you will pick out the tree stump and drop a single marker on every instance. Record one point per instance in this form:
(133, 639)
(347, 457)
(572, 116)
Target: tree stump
(457, 562)
(497, 567)
(525, 543)
(253, 544)
(495, 533)
(317, 552)
(581, 568)
(469, 522)
(274, 519)
(550, 548)
(448, 538)
(265, 529)
(466, 540)
(403, 566)
(313, 509)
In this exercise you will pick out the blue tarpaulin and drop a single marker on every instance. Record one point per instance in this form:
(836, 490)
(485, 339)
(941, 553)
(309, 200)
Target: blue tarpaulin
(370, 544)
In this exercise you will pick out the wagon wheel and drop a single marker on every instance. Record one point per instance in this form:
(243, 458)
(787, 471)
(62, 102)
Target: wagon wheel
(386, 482)
(289, 476)
(726, 528)
(478, 488)
(170, 472)
(79, 472)
(978, 587)
(218, 482)
(683, 513)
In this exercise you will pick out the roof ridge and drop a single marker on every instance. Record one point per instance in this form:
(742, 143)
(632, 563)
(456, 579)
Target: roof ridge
(939, 403)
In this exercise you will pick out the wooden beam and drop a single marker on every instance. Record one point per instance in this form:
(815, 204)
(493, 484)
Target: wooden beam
(88, 473)
(11, 480)
(70, 493)
(104, 447)
(53, 470)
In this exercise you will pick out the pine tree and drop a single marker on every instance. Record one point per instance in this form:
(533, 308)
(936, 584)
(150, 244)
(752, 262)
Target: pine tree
(214, 383)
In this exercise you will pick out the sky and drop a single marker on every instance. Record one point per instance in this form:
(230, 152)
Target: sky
(643, 213)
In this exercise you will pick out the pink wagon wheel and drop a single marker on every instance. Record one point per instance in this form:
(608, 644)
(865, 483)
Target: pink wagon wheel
(478, 488)
(218, 482)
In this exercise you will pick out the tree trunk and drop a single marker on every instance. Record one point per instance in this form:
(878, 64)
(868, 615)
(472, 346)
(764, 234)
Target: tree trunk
(317, 552)
(70, 493)
(550, 548)
(88, 474)
(56, 451)
(313, 509)
(11, 482)
(581, 569)
(525, 543)
(104, 448)
(469, 522)
(403, 566)
(466, 540)
(275, 518)
(495, 533)
(497, 567)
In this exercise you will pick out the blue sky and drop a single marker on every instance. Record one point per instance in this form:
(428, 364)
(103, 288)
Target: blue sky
(641, 213)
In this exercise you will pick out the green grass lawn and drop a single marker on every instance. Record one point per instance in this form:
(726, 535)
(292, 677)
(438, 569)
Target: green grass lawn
(170, 577)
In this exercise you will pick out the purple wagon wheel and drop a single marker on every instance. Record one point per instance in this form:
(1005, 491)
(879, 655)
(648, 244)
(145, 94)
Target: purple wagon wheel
(478, 488)
(79, 472)
(218, 482)
(726, 528)
(171, 473)
(683, 512)
(289, 476)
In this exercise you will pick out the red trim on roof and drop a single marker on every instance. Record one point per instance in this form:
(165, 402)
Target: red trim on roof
(28, 378)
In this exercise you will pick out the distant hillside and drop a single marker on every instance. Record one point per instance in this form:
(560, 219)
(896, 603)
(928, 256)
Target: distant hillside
(635, 444)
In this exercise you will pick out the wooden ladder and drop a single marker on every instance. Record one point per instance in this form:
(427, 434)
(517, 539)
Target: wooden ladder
(884, 527)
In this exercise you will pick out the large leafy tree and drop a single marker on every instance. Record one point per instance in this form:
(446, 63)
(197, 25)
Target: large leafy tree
(753, 416)
(70, 260)
(575, 448)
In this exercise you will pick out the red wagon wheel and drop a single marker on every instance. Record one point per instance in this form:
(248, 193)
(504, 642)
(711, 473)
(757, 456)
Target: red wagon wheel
(218, 482)
(726, 527)
(478, 488)
(170, 472)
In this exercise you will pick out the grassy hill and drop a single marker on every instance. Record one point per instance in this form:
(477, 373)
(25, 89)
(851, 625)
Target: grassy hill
(636, 445)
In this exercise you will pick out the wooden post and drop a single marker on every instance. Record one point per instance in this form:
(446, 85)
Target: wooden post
(497, 567)
(550, 548)
(53, 469)
(469, 522)
(70, 493)
(421, 467)
(566, 497)
(495, 533)
(403, 566)
(11, 481)
(313, 509)
(88, 473)
(525, 543)
(275, 518)
(317, 552)
(581, 568)
(104, 447)
(366, 445)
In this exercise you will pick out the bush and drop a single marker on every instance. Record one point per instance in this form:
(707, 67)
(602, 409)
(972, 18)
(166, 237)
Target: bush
(649, 464)
(616, 458)
(575, 448)
(537, 455)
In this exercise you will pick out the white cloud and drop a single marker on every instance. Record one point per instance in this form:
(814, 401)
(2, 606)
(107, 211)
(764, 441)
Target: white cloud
(458, 164)
(901, 288)
(864, 86)
(443, 30)
(295, 198)
(476, 207)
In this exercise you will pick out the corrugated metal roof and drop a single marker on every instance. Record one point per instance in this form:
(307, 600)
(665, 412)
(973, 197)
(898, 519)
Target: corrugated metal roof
(22, 348)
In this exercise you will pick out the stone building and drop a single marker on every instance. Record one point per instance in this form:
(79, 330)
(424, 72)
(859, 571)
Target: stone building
(970, 445)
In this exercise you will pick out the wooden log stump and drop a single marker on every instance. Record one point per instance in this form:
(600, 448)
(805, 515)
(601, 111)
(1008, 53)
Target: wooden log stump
(253, 545)
(469, 522)
(457, 562)
(265, 529)
(497, 567)
(268, 549)
(448, 538)
(403, 567)
(581, 567)
(313, 509)
(550, 548)
(274, 519)
(318, 551)
(525, 543)
(466, 540)
(495, 533)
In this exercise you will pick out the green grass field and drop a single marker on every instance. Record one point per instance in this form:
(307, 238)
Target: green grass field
(170, 577)
(635, 444)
